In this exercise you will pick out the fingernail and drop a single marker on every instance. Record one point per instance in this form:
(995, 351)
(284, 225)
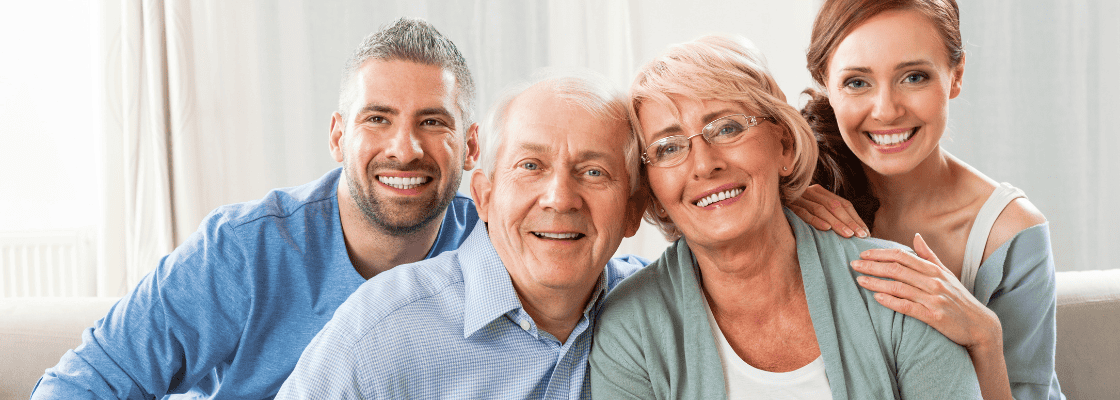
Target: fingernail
(863, 234)
(861, 280)
(848, 232)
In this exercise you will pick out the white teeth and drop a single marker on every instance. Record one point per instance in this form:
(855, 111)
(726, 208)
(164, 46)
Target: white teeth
(556, 235)
(401, 182)
(891, 140)
(724, 195)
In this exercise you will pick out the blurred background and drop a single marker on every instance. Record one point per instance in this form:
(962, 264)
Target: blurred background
(124, 122)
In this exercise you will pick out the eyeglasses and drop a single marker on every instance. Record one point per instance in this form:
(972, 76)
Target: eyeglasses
(671, 151)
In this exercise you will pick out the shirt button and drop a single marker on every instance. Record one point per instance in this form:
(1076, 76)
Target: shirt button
(525, 324)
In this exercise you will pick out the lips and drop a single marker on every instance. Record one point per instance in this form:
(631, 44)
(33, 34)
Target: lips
(559, 235)
(402, 182)
(718, 196)
(892, 137)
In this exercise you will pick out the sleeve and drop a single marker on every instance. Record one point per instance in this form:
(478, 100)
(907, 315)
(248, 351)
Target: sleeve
(328, 368)
(1025, 301)
(930, 366)
(617, 364)
(168, 333)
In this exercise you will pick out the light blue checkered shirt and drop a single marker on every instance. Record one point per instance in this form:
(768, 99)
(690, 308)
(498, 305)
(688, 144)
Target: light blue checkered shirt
(448, 327)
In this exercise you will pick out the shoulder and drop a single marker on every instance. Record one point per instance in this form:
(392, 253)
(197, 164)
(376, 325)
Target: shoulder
(311, 198)
(1019, 215)
(409, 290)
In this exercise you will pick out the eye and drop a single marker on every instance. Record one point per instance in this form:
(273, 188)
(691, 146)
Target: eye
(432, 122)
(856, 83)
(667, 149)
(727, 129)
(529, 165)
(917, 77)
(594, 172)
(377, 119)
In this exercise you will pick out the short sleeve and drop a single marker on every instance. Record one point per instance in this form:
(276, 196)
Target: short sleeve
(1017, 283)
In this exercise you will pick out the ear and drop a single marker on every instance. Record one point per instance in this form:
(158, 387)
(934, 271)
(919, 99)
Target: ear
(481, 187)
(337, 127)
(472, 151)
(958, 79)
(635, 209)
(789, 153)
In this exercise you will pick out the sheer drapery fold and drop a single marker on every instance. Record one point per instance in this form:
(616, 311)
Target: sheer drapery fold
(212, 102)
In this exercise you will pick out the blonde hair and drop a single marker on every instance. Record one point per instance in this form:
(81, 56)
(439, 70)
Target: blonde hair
(727, 68)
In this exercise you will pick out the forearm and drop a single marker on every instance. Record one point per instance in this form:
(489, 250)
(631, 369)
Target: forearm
(991, 369)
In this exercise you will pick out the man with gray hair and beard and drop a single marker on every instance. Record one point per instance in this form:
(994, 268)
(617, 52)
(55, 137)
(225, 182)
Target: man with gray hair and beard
(510, 314)
(227, 314)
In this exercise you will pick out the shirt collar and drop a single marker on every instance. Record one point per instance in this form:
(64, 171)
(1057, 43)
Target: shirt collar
(489, 292)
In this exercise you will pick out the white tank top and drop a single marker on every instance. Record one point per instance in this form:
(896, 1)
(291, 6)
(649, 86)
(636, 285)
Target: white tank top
(747, 382)
(981, 228)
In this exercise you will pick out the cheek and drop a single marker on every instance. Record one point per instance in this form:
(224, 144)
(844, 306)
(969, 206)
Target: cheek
(662, 182)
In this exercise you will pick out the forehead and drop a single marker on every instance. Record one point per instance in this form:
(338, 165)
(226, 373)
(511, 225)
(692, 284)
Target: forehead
(541, 122)
(889, 38)
(404, 85)
(683, 115)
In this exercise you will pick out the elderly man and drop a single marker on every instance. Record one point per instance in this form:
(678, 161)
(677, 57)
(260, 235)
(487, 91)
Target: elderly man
(511, 313)
(227, 314)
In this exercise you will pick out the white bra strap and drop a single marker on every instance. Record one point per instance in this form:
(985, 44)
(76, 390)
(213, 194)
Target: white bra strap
(981, 228)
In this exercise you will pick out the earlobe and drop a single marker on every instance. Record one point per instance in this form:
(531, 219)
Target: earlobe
(472, 149)
(337, 128)
(480, 191)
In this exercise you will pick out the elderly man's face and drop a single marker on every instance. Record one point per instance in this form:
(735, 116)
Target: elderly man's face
(556, 209)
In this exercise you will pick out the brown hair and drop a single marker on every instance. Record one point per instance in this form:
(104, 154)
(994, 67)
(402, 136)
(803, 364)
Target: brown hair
(838, 169)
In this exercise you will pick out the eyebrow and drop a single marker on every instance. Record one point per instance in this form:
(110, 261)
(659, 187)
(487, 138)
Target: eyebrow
(372, 107)
(583, 155)
(901, 65)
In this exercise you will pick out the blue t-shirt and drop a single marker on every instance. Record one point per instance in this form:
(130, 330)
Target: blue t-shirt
(227, 314)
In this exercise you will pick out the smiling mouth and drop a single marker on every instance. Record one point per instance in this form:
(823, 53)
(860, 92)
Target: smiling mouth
(559, 236)
(891, 139)
(403, 183)
(717, 197)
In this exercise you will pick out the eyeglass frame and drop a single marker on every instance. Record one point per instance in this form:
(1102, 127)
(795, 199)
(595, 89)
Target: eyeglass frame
(752, 121)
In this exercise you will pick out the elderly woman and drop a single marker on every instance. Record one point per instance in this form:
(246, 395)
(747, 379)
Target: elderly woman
(750, 301)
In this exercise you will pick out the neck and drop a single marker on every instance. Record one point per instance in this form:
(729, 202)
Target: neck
(372, 250)
(555, 311)
(763, 264)
(914, 190)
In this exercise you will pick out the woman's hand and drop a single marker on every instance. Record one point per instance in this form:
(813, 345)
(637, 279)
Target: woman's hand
(925, 289)
(825, 210)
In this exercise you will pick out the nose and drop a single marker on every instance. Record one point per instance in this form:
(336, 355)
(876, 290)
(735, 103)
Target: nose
(887, 107)
(705, 159)
(404, 146)
(560, 194)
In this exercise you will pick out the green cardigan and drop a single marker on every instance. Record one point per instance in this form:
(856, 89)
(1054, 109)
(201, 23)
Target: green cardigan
(653, 339)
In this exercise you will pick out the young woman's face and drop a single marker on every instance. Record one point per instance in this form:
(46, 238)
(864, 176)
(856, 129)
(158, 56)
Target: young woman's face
(890, 82)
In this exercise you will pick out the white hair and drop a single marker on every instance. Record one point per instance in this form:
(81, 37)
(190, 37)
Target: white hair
(584, 88)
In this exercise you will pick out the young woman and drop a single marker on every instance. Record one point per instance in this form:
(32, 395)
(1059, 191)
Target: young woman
(983, 275)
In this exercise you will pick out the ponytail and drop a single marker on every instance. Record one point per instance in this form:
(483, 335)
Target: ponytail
(838, 169)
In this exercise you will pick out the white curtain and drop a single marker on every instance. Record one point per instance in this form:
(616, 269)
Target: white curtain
(1037, 110)
(214, 102)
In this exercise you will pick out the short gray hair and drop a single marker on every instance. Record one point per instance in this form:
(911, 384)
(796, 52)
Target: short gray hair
(584, 88)
(415, 40)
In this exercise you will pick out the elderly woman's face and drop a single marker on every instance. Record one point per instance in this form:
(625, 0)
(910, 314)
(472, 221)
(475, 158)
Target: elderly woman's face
(718, 193)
